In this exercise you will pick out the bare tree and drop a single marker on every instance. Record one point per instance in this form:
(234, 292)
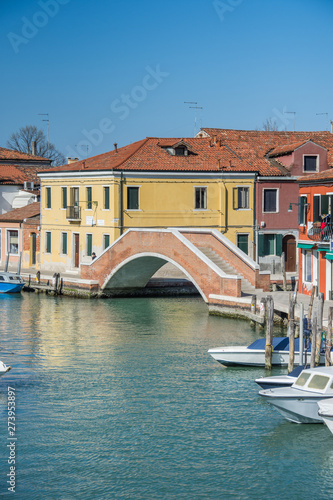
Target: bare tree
(22, 141)
(270, 125)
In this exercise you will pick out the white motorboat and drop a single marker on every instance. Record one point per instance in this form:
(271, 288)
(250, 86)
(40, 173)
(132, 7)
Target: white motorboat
(254, 354)
(4, 368)
(299, 403)
(279, 380)
(326, 412)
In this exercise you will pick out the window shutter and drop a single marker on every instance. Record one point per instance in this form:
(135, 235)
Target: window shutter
(235, 198)
(324, 204)
(316, 208)
(278, 244)
(261, 245)
(301, 209)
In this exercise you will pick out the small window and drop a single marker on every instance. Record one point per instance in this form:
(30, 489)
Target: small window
(308, 266)
(106, 241)
(106, 198)
(89, 198)
(310, 164)
(64, 243)
(180, 151)
(13, 243)
(241, 198)
(303, 378)
(48, 241)
(132, 198)
(302, 210)
(48, 197)
(89, 244)
(270, 200)
(64, 197)
(318, 382)
(200, 198)
(243, 242)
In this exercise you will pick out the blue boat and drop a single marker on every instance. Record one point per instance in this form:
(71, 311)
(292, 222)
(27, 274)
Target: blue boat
(10, 282)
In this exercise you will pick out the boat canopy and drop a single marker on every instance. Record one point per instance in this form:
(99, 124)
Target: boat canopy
(279, 344)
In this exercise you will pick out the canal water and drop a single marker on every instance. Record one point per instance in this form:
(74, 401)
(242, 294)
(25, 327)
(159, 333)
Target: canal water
(118, 399)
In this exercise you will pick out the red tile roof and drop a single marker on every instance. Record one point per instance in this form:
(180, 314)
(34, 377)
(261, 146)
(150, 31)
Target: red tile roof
(286, 149)
(11, 174)
(318, 176)
(19, 214)
(10, 154)
(233, 150)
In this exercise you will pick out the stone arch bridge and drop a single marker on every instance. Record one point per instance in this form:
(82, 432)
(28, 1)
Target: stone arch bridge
(211, 262)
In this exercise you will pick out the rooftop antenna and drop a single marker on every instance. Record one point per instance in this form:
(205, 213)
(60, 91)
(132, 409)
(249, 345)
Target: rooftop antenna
(48, 127)
(83, 146)
(195, 116)
(291, 113)
(326, 117)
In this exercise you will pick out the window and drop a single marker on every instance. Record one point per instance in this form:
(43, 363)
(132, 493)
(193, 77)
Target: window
(132, 198)
(269, 244)
(12, 238)
(321, 206)
(64, 197)
(89, 198)
(270, 199)
(243, 242)
(106, 241)
(308, 266)
(302, 210)
(89, 244)
(64, 243)
(48, 241)
(241, 197)
(48, 197)
(106, 198)
(200, 198)
(310, 164)
(180, 151)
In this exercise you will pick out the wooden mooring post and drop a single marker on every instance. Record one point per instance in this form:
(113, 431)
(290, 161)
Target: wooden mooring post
(283, 270)
(269, 332)
(313, 339)
(291, 316)
(329, 338)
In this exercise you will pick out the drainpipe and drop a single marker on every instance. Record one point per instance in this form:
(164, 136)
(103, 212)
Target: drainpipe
(224, 209)
(121, 214)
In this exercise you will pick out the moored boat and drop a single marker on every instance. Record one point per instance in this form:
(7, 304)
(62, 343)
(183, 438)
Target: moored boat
(4, 368)
(326, 412)
(279, 380)
(254, 354)
(10, 282)
(299, 403)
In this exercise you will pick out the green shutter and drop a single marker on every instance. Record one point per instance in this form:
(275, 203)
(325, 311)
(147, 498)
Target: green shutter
(261, 245)
(324, 204)
(106, 198)
(106, 241)
(48, 242)
(133, 198)
(89, 245)
(89, 198)
(64, 243)
(64, 197)
(48, 197)
(316, 200)
(278, 244)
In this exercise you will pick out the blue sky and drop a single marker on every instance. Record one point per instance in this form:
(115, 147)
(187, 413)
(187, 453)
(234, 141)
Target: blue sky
(118, 71)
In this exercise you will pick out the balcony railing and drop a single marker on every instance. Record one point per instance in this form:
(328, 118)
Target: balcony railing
(316, 233)
(73, 213)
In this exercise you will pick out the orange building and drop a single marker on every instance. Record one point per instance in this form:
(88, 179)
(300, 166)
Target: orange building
(315, 243)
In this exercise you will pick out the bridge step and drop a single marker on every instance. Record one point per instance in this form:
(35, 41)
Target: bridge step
(246, 286)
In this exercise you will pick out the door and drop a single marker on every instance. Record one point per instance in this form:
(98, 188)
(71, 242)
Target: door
(33, 241)
(76, 250)
(289, 249)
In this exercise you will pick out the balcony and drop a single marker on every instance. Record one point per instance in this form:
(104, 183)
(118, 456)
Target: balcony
(73, 213)
(315, 232)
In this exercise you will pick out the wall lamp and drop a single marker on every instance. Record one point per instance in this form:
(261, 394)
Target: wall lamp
(290, 209)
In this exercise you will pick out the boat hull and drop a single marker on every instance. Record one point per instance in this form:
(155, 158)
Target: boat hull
(11, 287)
(4, 368)
(326, 412)
(236, 355)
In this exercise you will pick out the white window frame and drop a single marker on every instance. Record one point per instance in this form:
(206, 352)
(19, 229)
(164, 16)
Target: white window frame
(7, 241)
(317, 164)
(277, 200)
(306, 253)
(248, 197)
(205, 197)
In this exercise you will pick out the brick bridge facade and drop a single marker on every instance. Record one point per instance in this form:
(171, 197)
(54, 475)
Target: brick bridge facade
(131, 261)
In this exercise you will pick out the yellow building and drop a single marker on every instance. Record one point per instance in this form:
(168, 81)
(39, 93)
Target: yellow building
(153, 183)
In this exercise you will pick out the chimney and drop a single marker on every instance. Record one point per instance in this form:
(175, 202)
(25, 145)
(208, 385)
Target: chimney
(115, 147)
(33, 148)
(331, 122)
(72, 160)
(214, 139)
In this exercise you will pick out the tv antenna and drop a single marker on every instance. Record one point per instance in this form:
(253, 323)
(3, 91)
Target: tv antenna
(48, 128)
(83, 146)
(195, 116)
(323, 114)
(291, 113)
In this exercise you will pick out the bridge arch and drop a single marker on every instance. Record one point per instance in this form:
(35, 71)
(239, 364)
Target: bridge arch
(137, 270)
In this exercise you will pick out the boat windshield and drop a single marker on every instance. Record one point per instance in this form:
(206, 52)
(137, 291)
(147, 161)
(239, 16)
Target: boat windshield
(2, 278)
(318, 382)
(303, 378)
